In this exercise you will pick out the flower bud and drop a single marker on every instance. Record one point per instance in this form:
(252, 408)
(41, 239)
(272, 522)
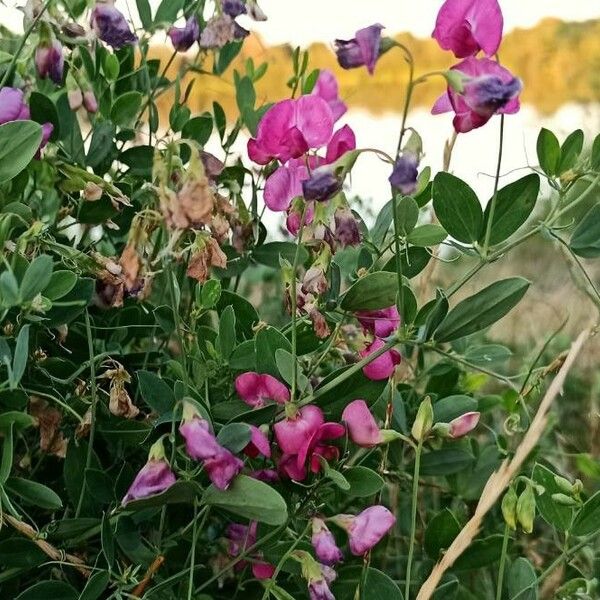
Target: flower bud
(423, 421)
(563, 484)
(89, 101)
(564, 500)
(509, 508)
(526, 509)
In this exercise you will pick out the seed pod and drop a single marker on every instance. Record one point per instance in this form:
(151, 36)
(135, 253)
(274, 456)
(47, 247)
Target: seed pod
(564, 484)
(526, 509)
(564, 500)
(423, 421)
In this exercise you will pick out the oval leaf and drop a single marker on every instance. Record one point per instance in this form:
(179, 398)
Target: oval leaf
(19, 143)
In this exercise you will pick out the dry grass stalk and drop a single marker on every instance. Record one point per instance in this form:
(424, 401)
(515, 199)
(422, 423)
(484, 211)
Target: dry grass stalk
(500, 479)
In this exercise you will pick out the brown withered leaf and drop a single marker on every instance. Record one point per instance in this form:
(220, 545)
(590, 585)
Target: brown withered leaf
(130, 263)
(52, 440)
(120, 403)
(209, 256)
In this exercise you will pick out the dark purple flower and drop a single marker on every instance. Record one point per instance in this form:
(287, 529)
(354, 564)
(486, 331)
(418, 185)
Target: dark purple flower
(183, 37)
(111, 27)
(362, 50)
(154, 477)
(324, 544)
(346, 228)
(487, 94)
(321, 185)
(405, 173)
(233, 8)
(49, 61)
(221, 30)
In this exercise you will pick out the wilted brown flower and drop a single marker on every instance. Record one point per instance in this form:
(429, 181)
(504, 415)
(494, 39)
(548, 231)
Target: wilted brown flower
(209, 254)
(52, 440)
(120, 403)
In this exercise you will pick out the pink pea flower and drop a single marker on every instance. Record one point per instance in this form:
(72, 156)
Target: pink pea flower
(219, 463)
(362, 50)
(290, 128)
(49, 60)
(153, 478)
(318, 589)
(362, 428)
(468, 26)
(489, 89)
(255, 389)
(381, 323)
(383, 366)
(367, 528)
(293, 433)
(294, 218)
(110, 25)
(266, 475)
(242, 537)
(182, 38)
(324, 544)
(258, 444)
(463, 424)
(326, 87)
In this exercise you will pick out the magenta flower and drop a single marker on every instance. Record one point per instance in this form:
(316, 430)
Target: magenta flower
(405, 173)
(220, 464)
(381, 323)
(463, 424)
(294, 218)
(326, 87)
(258, 444)
(255, 389)
(266, 475)
(362, 50)
(293, 433)
(49, 61)
(362, 428)
(324, 544)
(111, 27)
(366, 529)
(489, 88)
(290, 128)
(153, 478)
(383, 366)
(468, 26)
(242, 537)
(182, 38)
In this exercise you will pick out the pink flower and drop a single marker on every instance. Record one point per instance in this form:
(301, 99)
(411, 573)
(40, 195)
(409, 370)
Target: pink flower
(240, 539)
(326, 87)
(324, 543)
(153, 478)
(319, 578)
(362, 428)
(383, 366)
(259, 444)
(463, 424)
(266, 475)
(49, 60)
(367, 528)
(489, 89)
(220, 464)
(293, 433)
(362, 50)
(381, 323)
(290, 128)
(255, 389)
(468, 26)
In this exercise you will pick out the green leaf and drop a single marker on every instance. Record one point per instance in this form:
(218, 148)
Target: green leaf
(21, 354)
(267, 342)
(440, 533)
(167, 11)
(34, 493)
(155, 392)
(588, 518)
(596, 153)
(407, 214)
(198, 128)
(95, 586)
(249, 498)
(49, 590)
(37, 277)
(554, 514)
(19, 143)
(548, 151)
(487, 354)
(446, 461)
(514, 204)
(210, 293)
(126, 107)
(9, 290)
(139, 159)
(480, 553)
(43, 110)
(377, 585)
(482, 309)
(412, 261)
(6, 462)
(234, 437)
(269, 254)
(145, 12)
(19, 419)
(449, 408)
(101, 144)
(457, 208)
(521, 581)
(107, 538)
(20, 553)
(363, 482)
(585, 241)
(371, 292)
(60, 284)
(245, 314)
(429, 234)
(226, 340)
(570, 150)
(285, 365)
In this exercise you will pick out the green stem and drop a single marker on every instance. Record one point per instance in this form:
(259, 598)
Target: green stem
(400, 296)
(502, 566)
(490, 221)
(178, 331)
(193, 551)
(407, 100)
(413, 519)
(566, 555)
(90, 448)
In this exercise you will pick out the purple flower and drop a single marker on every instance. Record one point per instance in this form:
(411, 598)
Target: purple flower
(468, 26)
(111, 27)
(233, 8)
(255, 389)
(405, 173)
(258, 444)
(346, 228)
(49, 61)
(221, 30)
(154, 477)
(321, 185)
(183, 37)
(362, 50)
(327, 88)
(384, 365)
(381, 323)
(367, 528)
(324, 543)
(318, 589)
(488, 88)
(464, 424)
(12, 105)
(220, 464)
